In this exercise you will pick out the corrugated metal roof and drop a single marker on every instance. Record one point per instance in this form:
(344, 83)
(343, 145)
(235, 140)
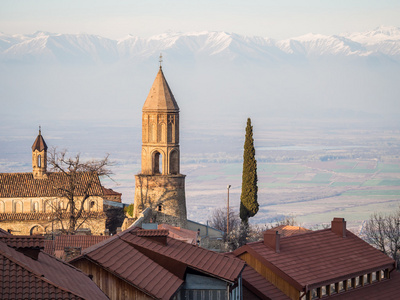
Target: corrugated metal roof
(318, 257)
(24, 185)
(44, 278)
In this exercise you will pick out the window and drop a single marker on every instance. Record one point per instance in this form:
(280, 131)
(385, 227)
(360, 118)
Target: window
(324, 290)
(157, 163)
(332, 288)
(159, 207)
(358, 281)
(35, 207)
(92, 204)
(39, 161)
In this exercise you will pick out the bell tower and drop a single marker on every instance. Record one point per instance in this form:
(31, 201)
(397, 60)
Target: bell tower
(39, 157)
(160, 185)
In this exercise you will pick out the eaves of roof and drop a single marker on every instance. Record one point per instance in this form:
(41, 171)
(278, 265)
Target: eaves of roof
(246, 249)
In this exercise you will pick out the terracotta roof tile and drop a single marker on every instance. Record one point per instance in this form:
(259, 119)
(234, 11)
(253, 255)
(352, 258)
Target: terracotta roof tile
(24, 185)
(42, 278)
(110, 192)
(46, 216)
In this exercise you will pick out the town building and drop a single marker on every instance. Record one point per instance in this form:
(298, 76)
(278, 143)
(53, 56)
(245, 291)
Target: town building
(323, 264)
(160, 185)
(32, 203)
(26, 272)
(148, 264)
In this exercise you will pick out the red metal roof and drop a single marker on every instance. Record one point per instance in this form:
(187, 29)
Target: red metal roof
(129, 264)
(43, 278)
(207, 261)
(158, 268)
(318, 257)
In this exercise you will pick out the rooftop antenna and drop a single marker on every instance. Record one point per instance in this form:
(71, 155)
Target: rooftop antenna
(160, 60)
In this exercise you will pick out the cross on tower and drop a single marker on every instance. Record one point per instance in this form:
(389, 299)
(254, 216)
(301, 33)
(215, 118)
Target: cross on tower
(161, 60)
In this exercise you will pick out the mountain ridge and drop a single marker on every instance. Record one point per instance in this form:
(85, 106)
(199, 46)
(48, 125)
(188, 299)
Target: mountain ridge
(55, 47)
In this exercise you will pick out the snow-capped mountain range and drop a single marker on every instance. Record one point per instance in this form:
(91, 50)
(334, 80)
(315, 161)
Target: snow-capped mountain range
(43, 46)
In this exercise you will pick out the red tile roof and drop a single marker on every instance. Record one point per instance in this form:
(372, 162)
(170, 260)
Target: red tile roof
(48, 216)
(24, 185)
(318, 257)
(23, 241)
(110, 192)
(81, 241)
(159, 268)
(43, 278)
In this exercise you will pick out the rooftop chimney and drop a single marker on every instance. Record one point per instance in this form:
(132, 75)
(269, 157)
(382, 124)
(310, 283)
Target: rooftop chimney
(272, 240)
(338, 226)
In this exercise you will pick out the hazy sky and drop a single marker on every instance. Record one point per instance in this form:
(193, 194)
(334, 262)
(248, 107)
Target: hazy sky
(269, 18)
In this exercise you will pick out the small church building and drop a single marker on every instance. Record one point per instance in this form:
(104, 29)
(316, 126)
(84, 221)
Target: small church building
(30, 203)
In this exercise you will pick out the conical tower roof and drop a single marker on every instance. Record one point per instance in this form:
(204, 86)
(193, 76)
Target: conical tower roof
(39, 143)
(160, 97)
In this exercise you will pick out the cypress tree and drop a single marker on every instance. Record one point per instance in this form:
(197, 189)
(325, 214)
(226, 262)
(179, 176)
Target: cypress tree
(248, 198)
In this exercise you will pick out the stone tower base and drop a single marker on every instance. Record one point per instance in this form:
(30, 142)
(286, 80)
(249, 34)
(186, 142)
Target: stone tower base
(162, 193)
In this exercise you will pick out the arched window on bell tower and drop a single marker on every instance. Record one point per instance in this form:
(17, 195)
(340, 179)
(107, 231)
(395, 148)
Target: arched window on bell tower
(157, 163)
(174, 162)
(39, 161)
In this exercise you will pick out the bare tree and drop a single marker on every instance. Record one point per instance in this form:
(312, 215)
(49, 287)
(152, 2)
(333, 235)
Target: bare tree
(383, 232)
(219, 220)
(76, 181)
